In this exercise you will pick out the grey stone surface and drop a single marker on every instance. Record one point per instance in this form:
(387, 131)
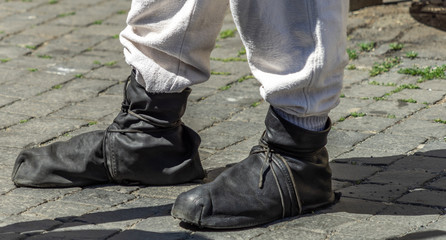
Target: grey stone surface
(375, 192)
(425, 197)
(62, 73)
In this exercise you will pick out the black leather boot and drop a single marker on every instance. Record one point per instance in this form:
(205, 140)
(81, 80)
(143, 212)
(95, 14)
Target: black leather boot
(146, 144)
(287, 174)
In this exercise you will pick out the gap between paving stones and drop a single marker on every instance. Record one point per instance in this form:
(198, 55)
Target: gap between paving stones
(49, 90)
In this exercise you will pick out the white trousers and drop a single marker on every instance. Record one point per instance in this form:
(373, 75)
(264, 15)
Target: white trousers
(295, 48)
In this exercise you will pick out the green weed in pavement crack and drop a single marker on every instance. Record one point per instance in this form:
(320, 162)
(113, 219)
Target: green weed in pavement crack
(66, 14)
(357, 114)
(367, 46)
(410, 100)
(352, 54)
(245, 78)
(427, 73)
(385, 66)
(224, 88)
(231, 59)
(220, 73)
(396, 46)
(438, 120)
(44, 56)
(241, 52)
(256, 104)
(227, 33)
(411, 54)
(351, 67)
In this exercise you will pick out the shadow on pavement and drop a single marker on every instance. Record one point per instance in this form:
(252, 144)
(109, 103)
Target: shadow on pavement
(433, 15)
(367, 203)
(435, 234)
(38, 229)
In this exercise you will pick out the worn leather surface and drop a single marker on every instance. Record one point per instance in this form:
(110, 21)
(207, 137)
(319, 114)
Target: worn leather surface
(146, 144)
(285, 175)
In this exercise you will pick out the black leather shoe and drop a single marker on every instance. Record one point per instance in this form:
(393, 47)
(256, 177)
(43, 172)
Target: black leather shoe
(287, 174)
(146, 144)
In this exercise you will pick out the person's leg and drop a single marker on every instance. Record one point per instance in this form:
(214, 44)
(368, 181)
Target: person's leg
(296, 49)
(167, 43)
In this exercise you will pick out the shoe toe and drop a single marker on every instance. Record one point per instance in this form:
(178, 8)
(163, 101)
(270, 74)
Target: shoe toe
(191, 206)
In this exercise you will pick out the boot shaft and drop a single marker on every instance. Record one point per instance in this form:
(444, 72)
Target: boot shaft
(158, 109)
(287, 137)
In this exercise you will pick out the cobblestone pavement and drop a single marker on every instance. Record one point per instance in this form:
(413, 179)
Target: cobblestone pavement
(62, 74)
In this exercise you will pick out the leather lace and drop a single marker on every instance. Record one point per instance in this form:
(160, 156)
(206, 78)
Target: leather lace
(268, 164)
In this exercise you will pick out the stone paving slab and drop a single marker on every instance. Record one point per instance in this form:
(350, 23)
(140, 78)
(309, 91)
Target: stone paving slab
(62, 73)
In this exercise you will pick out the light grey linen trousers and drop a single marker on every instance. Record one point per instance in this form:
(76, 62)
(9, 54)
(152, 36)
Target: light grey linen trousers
(295, 48)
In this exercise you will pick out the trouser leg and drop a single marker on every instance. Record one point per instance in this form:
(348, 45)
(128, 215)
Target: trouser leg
(168, 42)
(296, 49)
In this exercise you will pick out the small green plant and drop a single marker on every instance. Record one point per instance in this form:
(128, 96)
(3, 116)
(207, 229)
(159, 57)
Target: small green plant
(404, 86)
(232, 59)
(410, 100)
(53, 1)
(23, 121)
(111, 63)
(391, 116)
(438, 120)
(97, 62)
(256, 104)
(357, 114)
(224, 88)
(389, 84)
(351, 67)
(241, 52)
(352, 54)
(79, 75)
(342, 95)
(341, 119)
(5, 60)
(227, 33)
(385, 66)
(32, 47)
(379, 98)
(98, 22)
(58, 86)
(366, 46)
(365, 98)
(66, 14)
(411, 54)
(427, 73)
(33, 69)
(396, 46)
(245, 78)
(91, 123)
(116, 36)
(44, 56)
(220, 73)
(121, 12)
